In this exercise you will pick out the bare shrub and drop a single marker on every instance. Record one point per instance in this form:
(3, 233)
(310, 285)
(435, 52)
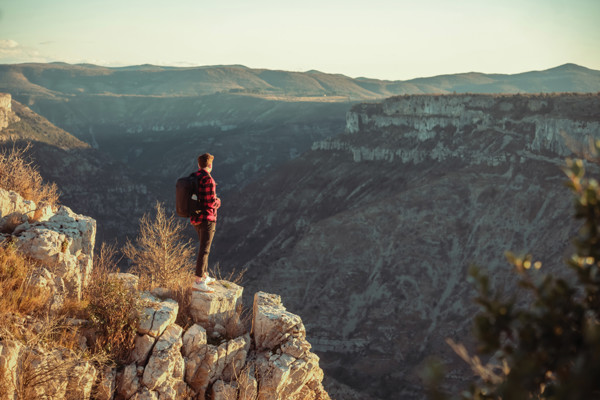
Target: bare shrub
(160, 254)
(17, 173)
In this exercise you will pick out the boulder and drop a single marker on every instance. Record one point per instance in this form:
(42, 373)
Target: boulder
(157, 315)
(129, 382)
(220, 307)
(166, 366)
(142, 348)
(285, 377)
(194, 340)
(272, 325)
(65, 244)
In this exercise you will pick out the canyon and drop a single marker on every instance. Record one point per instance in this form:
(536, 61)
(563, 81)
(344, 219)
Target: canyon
(373, 231)
(366, 214)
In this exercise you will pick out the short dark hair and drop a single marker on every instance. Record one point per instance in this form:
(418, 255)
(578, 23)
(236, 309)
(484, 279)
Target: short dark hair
(205, 160)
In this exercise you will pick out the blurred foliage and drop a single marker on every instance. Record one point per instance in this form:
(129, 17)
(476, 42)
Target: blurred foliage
(542, 342)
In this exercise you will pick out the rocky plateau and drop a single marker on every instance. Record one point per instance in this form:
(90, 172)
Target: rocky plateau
(271, 362)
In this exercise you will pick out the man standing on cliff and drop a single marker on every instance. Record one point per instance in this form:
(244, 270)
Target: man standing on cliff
(205, 219)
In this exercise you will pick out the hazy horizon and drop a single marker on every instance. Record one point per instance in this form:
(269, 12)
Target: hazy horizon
(390, 40)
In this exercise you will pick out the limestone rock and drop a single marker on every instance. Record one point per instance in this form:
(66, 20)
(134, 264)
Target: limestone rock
(194, 340)
(235, 359)
(105, 389)
(81, 380)
(64, 242)
(142, 349)
(247, 384)
(9, 357)
(11, 203)
(200, 368)
(295, 347)
(285, 377)
(224, 391)
(145, 394)
(222, 306)
(51, 373)
(7, 116)
(272, 325)
(129, 382)
(165, 368)
(129, 280)
(157, 315)
(46, 280)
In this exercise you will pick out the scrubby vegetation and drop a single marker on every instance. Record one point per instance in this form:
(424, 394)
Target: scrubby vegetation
(112, 306)
(20, 175)
(159, 254)
(545, 342)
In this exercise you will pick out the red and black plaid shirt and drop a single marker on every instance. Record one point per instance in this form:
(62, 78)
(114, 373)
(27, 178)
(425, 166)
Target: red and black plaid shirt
(207, 197)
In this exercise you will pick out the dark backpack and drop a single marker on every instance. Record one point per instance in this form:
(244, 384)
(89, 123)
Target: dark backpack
(184, 189)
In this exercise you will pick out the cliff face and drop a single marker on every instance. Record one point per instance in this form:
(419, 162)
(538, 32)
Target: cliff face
(559, 125)
(7, 116)
(372, 232)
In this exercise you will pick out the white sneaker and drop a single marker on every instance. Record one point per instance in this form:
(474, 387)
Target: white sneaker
(208, 279)
(202, 287)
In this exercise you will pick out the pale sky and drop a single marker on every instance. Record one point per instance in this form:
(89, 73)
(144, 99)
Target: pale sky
(382, 39)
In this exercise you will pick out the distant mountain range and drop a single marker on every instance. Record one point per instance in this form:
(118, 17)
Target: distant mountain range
(65, 80)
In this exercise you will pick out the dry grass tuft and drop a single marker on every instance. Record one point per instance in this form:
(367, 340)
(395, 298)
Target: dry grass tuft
(234, 276)
(20, 175)
(18, 296)
(50, 352)
(112, 307)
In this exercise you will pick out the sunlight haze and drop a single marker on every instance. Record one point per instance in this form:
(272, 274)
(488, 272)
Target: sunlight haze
(395, 40)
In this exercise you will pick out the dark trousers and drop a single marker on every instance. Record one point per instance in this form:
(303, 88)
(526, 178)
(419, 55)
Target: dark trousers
(206, 232)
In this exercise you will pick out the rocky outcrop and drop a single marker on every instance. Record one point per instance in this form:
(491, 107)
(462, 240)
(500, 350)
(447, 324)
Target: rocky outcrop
(273, 362)
(220, 310)
(7, 116)
(60, 241)
(559, 125)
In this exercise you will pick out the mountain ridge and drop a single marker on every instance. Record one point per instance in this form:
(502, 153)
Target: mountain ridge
(67, 80)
